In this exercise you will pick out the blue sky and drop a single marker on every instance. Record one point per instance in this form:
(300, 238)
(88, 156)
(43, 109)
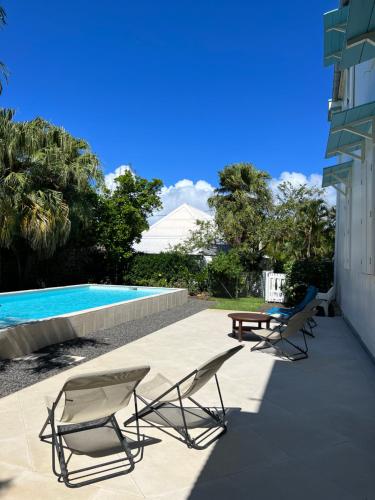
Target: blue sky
(176, 88)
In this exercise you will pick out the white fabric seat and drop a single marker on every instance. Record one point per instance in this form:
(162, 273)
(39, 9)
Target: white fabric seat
(270, 337)
(159, 394)
(83, 422)
(96, 442)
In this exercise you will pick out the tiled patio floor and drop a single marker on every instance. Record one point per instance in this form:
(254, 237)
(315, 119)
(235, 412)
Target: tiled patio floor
(302, 430)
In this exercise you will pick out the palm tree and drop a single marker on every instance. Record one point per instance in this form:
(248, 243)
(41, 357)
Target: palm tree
(241, 204)
(46, 179)
(302, 225)
(3, 69)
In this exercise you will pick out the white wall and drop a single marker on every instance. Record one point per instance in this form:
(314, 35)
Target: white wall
(364, 86)
(355, 249)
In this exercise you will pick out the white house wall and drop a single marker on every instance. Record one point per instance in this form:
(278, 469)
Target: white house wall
(355, 233)
(364, 87)
(171, 230)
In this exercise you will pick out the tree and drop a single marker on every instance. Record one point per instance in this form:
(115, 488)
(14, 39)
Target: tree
(226, 274)
(302, 224)
(3, 69)
(47, 187)
(204, 237)
(242, 204)
(123, 214)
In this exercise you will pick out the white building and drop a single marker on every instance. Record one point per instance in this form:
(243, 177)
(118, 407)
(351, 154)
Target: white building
(172, 229)
(350, 45)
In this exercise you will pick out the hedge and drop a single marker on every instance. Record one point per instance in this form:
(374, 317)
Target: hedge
(302, 273)
(170, 269)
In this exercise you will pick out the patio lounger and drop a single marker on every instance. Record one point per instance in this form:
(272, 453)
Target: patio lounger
(311, 323)
(312, 308)
(326, 299)
(82, 420)
(159, 396)
(286, 313)
(272, 337)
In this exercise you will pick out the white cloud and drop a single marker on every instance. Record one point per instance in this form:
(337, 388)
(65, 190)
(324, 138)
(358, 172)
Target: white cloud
(197, 194)
(297, 178)
(184, 191)
(109, 179)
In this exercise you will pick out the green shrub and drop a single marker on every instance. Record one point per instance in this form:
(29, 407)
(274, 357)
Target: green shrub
(226, 274)
(71, 266)
(168, 269)
(302, 273)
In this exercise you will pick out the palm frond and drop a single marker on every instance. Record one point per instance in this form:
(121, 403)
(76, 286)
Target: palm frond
(3, 16)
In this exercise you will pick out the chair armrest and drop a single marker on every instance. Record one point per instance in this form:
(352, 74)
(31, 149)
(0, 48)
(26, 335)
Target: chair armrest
(330, 295)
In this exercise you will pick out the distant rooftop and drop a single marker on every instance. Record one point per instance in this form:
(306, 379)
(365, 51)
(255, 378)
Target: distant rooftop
(172, 229)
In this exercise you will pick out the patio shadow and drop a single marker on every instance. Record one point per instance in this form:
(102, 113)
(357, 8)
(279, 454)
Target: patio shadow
(312, 437)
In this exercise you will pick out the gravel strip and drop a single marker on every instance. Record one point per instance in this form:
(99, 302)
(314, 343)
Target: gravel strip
(17, 374)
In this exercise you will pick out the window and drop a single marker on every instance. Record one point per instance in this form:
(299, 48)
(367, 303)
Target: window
(367, 215)
(347, 209)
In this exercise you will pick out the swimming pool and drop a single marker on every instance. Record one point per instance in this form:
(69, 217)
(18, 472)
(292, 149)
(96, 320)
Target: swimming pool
(33, 319)
(28, 306)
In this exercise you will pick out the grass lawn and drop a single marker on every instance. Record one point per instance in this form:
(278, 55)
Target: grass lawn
(242, 304)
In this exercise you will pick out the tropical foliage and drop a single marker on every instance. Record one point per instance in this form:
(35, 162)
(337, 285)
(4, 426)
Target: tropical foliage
(261, 230)
(226, 274)
(122, 216)
(301, 226)
(302, 273)
(3, 69)
(171, 269)
(47, 187)
(242, 204)
(60, 224)
(205, 238)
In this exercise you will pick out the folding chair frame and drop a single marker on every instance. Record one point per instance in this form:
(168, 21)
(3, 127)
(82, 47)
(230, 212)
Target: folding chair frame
(183, 432)
(58, 447)
(310, 322)
(268, 342)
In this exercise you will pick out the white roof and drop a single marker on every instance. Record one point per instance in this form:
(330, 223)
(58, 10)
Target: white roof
(172, 229)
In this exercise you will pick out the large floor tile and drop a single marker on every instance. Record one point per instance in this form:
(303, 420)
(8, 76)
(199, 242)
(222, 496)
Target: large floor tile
(295, 430)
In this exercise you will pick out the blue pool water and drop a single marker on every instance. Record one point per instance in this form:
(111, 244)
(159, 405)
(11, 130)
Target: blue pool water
(29, 306)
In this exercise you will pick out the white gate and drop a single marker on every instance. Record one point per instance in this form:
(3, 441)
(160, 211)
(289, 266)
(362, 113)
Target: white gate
(273, 283)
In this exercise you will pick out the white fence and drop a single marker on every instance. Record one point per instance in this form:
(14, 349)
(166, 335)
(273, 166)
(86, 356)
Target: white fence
(273, 283)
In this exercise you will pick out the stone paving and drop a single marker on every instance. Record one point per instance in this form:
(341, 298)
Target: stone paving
(302, 430)
(15, 374)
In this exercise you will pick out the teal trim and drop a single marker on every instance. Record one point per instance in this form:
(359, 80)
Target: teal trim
(359, 119)
(341, 173)
(334, 107)
(345, 32)
(334, 34)
(361, 21)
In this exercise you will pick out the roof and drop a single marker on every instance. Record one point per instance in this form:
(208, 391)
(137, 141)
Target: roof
(172, 229)
(349, 129)
(349, 34)
(338, 174)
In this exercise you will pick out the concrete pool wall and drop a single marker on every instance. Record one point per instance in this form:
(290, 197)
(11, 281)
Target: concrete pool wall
(20, 340)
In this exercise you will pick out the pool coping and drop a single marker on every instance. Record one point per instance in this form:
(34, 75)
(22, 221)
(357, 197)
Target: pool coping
(22, 339)
(41, 290)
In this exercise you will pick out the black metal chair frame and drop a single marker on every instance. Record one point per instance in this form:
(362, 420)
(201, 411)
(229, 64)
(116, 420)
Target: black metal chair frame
(269, 342)
(56, 440)
(183, 432)
(310, 322)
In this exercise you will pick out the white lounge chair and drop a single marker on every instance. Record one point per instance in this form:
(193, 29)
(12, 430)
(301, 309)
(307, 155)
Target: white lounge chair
(281, 333)
(82, 420)
(326, 299)
(159, 396)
